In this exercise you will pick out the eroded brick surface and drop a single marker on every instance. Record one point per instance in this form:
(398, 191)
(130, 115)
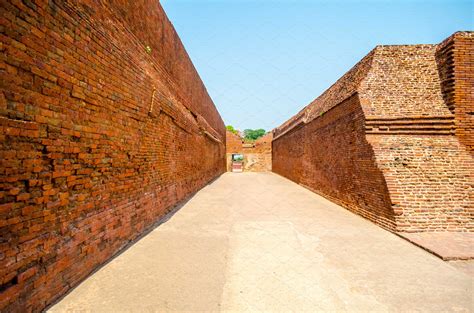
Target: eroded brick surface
(391, 140)
(105, 126)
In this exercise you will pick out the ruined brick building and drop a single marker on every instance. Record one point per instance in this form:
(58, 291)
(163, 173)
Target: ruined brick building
(106, 125)
(392, 140)
(257, 155)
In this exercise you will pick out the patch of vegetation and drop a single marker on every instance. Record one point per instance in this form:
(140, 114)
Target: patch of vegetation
(254, 134)
(249, 135)
(232, 129)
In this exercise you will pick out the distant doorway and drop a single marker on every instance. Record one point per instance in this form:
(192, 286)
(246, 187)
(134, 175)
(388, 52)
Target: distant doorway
(237, 162)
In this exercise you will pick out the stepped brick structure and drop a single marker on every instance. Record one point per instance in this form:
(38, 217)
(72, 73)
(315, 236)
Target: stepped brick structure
(105, 126)
(257, 155)
(392, 139)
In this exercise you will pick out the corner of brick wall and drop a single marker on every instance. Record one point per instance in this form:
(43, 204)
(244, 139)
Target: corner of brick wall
(413, 132)
(331, 156)
(455, 58)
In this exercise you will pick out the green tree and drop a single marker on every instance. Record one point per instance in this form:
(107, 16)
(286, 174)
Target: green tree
(254, 134)
(232, 129)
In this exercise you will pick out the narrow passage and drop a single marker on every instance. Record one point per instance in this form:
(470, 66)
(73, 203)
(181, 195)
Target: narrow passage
(259, 242)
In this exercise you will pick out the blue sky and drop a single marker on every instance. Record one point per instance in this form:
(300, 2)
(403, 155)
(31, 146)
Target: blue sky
(264, 60)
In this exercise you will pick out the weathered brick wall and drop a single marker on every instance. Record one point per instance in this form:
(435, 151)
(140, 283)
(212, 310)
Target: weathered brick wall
(100, 137)
(389, 124)
(233, 143)
(264, 143)
(257, 155)
(331, 156)
(455, 58)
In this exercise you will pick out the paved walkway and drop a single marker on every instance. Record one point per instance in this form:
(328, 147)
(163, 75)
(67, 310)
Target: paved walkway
(258, 242)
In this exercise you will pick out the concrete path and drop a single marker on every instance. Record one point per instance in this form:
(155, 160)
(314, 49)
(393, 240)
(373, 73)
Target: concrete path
(258, 242)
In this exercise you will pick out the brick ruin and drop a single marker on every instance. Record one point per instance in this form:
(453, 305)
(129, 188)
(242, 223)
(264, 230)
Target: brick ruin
(257, 155)
(392, 140)
(105, 126)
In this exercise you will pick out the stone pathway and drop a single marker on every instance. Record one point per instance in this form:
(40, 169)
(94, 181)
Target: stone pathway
(446, 245)
(258, 242)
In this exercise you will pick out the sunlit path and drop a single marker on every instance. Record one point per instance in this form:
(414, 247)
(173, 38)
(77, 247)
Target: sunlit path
(257, 242)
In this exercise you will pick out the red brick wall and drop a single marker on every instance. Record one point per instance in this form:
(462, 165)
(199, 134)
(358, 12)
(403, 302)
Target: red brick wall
(401, 133)
(257, 155)
(455, 57)
(331, 156)
(233, 143)
(100, 138)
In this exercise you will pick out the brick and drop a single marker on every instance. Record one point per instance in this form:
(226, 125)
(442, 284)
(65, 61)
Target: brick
(23, 197)
(5, 208)
(22, 277)
(15, 191)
